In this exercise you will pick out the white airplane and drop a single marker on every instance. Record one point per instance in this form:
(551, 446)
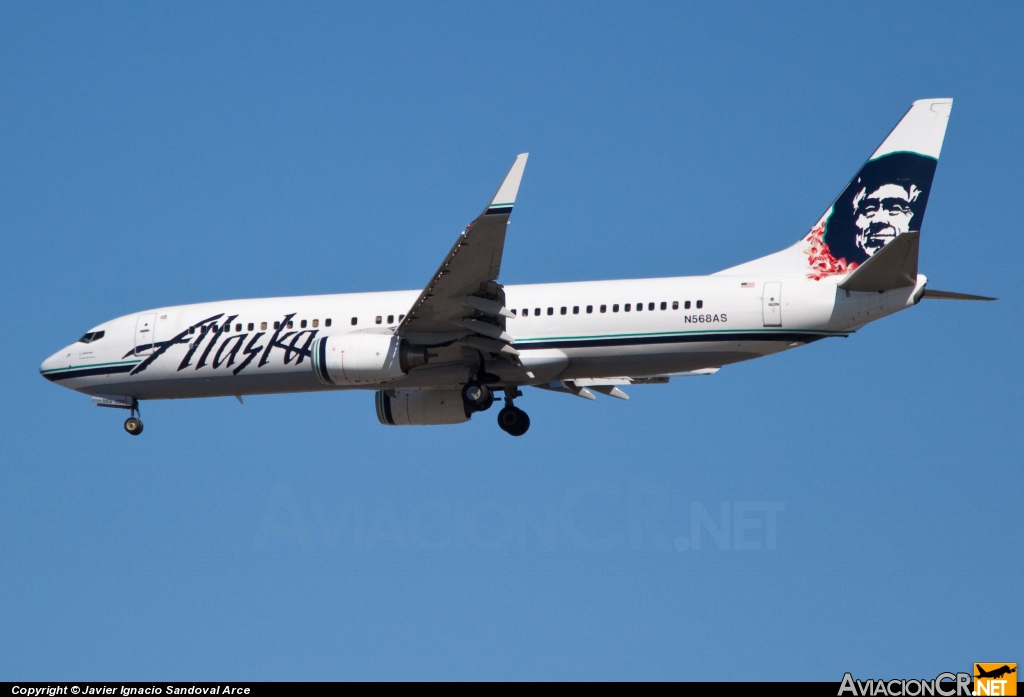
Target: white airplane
(438, 356)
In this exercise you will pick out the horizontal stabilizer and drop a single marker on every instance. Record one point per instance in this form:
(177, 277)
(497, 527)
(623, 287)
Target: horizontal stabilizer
(893, 266)
(930, 294)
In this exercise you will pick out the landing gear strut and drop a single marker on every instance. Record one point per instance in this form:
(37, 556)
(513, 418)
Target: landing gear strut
(133, 424)
(511, 419)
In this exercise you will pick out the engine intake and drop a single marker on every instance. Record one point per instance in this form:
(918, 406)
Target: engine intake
(420, 407)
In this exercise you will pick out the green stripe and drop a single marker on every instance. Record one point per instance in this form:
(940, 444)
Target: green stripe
(501, 205)
(706, 331)
(90, 365)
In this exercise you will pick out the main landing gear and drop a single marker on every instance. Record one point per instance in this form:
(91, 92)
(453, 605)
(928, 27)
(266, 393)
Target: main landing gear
(511, 419)
(476, 396)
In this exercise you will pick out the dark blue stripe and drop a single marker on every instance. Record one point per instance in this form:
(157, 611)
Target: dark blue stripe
(499, 211)
(88, 372)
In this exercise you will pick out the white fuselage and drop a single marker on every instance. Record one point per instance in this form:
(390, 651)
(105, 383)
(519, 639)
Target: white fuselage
(262, 345)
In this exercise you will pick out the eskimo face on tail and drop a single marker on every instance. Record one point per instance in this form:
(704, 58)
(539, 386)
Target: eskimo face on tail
(882, 214)
(886, 198)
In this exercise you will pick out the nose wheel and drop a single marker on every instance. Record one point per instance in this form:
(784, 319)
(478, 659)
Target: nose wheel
(133, 425)
(511, 419)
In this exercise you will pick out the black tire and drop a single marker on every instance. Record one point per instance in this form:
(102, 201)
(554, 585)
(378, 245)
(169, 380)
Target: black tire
(477, 397)
(513, 421)
(133, 426)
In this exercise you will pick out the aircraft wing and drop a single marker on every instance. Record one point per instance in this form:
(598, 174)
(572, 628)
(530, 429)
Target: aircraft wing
(463, 301)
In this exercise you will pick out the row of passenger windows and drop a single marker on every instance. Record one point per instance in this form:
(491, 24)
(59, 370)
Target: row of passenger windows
(251, 326)
(379, 319)
(628, 307)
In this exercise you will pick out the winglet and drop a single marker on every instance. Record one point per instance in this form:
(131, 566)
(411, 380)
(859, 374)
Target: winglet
(505, 197)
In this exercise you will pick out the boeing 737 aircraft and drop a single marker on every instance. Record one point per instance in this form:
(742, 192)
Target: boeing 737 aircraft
(439, 355)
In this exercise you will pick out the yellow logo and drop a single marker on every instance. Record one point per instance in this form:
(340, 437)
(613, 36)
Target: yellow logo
(995, 679)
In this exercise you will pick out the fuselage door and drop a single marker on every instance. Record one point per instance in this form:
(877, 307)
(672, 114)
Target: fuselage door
(145, 331)
(771, 304)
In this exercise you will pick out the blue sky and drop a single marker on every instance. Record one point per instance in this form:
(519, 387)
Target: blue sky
(159, 154)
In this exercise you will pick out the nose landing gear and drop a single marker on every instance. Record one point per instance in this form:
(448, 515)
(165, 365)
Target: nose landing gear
(511, 419)
(133, 425)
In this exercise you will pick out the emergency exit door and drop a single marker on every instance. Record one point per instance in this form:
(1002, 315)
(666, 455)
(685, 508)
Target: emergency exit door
(771, 304)
(145, 330)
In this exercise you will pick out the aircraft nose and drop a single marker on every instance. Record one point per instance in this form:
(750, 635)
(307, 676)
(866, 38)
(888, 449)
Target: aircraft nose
(57, 360)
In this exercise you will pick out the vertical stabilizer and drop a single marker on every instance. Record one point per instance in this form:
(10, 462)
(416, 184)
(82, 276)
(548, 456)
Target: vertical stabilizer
(885, 199)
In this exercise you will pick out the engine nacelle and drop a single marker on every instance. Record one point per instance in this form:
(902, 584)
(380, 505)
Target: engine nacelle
(420, 407)
(360, 359)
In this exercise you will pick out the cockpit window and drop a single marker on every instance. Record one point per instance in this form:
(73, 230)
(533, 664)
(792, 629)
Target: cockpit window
(91, 337)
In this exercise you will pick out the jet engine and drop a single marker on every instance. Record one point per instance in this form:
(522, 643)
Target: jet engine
(420, 407)
(360, 359)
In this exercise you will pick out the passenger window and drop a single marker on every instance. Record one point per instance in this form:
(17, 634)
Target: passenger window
(316, 323)
(378, 319)
(291, 325)
(526, 312)
(700, 304)
(302, 324)
(686, 305)
(626, 308)
(191, 330)
(575, 309)
(277, 325)
(590, 309)
(536, 312)
(604, 308)
(675, 304)
(664, 306)
(615, 308)
(263, 325)
(238, 327)
(551, 310)
(355, 321)
(563, 310)
(327, 322)
(650, 307)
(639, 307)
(391, 319)
(251, 326)
(400, 318)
